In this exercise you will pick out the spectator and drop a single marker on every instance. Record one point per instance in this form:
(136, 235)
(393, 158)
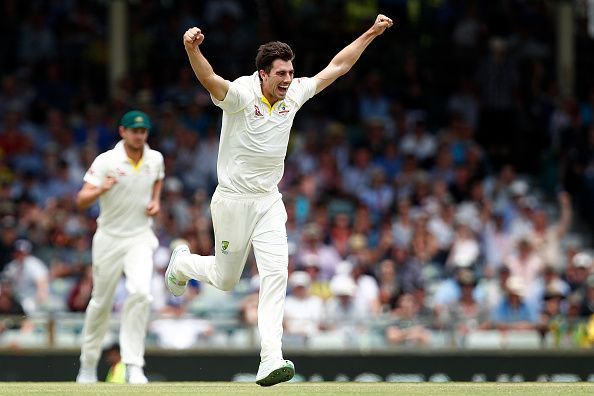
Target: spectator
(30, 277)
(407, 328)
(318, 287)
(388, 285)
(303, 312)
(513, 312)
(546, 238)
(467, 314)
(312, 243)
(342, 314)
(526, 265)
(552, 317)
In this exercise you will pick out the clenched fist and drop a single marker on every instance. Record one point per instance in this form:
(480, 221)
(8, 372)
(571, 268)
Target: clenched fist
(381, 23)
(193, 37)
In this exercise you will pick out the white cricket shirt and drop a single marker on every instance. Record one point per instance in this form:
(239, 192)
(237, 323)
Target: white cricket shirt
(254, 136)
(123, 207)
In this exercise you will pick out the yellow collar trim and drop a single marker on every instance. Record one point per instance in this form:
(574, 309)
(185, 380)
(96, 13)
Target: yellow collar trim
(267, 103)
(137, 165)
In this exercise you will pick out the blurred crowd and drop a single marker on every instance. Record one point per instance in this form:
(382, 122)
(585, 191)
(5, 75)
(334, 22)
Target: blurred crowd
(443, 185)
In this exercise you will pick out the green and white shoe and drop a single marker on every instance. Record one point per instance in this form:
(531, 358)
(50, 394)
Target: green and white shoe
(176, 286)
(275, 372)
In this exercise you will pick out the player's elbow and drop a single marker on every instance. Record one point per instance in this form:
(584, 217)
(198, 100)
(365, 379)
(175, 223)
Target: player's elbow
(81, 202)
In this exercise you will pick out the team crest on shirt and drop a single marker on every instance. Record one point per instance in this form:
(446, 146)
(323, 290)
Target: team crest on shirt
(257, 111)
(224, 246)
(283, 109)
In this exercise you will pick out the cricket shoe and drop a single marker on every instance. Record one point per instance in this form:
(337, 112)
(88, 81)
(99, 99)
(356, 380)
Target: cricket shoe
(275, 372)
(175, 284)
(87, 375)
(135, 375)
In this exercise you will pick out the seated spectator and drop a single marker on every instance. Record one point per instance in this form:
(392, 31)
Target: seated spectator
(527, 265)
(513, 313)
(388, 285)
(318, 287)
(407, 328)
(367, 292)
(12, 315)
(450, 290)
(303, 312)
(465, 249)
(552, 317)
(312, 242)
(30, 277)
(578, 271)
(546, 237)
(492, 290)
(550, 279)
(342, 312)
(466, 314)
(497, 243)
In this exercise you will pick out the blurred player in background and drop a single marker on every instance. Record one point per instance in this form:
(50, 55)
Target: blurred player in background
(247, 209)
(127, 181)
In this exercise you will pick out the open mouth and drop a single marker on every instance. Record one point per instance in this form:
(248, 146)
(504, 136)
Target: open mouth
(283, 89)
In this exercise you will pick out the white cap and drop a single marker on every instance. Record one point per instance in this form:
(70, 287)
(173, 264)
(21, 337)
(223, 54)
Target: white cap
(516, 285)
(311, 260)
(342, 285)
(344, 268)
(518, 187)
(299, 278)
(465, 254)
(582, 260)
(173, 184)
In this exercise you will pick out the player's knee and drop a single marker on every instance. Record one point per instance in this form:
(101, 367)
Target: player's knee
(143, 298)
(227, 284)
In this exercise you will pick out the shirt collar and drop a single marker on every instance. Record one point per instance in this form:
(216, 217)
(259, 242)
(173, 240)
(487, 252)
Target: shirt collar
(120, 151)
(257, 85)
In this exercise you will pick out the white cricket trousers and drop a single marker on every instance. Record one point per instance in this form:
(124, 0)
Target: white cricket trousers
(242, 222)
(112, 256)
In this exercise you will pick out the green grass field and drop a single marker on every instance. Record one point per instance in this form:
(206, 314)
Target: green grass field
(298, 389)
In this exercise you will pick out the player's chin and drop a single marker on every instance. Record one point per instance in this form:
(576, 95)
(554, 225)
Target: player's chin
(281, 93)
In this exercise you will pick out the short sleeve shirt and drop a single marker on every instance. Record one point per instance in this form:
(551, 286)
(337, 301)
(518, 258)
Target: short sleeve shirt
(123, 207)
(255, 135)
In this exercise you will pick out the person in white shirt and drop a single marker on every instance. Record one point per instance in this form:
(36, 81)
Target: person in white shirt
(127, 180)
(303, 311)
(29, 277)
(247, 208)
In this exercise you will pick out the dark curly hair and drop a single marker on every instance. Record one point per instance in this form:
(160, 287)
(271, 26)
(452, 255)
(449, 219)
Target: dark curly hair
(269, 52)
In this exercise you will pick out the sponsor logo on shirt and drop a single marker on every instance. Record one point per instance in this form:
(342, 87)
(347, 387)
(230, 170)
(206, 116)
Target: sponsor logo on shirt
(257, 111)
(120, 172)
(283, 109)
(224, 246)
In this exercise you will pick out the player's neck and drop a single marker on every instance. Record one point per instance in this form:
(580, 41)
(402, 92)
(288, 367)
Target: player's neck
(134, 154)
(269, 97)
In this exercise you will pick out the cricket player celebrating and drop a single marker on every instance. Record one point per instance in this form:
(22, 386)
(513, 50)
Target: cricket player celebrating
(247, 210)
(127, 180)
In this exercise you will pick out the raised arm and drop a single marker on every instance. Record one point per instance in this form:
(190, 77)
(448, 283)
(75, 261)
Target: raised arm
(215, 84)
(89, 193)
(345, 59)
